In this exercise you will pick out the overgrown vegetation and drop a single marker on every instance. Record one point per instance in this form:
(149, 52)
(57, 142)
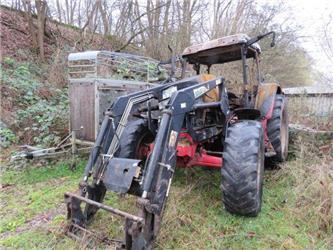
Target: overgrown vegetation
(297, 208)
(7, 137)
(38, 111)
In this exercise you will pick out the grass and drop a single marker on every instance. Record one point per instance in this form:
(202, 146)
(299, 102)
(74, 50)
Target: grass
(198, 221)
(32, 214)
(32, 192)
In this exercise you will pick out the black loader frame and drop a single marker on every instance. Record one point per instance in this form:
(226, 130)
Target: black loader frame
(159, 169)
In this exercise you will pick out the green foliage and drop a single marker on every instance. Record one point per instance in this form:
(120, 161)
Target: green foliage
(41, 109)
(9, 61)
(7, 137)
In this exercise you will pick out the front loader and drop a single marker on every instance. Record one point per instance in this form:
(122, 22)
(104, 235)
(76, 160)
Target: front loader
(190, 122)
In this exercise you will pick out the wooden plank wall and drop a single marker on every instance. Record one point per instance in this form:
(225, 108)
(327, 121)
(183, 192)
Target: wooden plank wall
(318, 105)
(82, 109)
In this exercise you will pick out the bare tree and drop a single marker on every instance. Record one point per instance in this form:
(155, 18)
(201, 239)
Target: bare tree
(102, 10)
(328, 39)
(70, 10)
(59, 10)
(149, 26)
(28, 16)
(327, 45)
(41, 7)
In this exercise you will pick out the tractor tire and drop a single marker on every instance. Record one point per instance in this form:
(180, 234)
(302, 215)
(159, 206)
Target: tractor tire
(243, 168)
(135, 138)
(135, 135)
(277, 130)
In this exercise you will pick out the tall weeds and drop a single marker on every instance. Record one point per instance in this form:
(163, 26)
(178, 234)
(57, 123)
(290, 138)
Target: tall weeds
(312, 175)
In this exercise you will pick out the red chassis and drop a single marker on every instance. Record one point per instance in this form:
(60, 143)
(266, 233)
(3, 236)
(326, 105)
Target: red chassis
(189, 156)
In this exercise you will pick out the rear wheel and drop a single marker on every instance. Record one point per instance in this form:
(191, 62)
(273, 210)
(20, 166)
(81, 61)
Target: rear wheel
(277, 129)
(243, 168)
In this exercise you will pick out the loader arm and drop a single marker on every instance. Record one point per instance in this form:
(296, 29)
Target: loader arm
(116, 118)
(162, 163)
(117, 174)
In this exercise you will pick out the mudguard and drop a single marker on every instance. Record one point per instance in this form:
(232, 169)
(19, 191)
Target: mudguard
(265, 98)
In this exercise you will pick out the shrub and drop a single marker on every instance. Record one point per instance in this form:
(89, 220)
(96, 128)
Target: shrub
(7, 137)
(41, 109)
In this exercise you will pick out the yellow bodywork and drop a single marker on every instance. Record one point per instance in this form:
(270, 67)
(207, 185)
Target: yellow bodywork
(265, 91)
(213, 95)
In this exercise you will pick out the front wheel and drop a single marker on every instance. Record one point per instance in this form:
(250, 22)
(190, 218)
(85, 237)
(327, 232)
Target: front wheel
(243, 168)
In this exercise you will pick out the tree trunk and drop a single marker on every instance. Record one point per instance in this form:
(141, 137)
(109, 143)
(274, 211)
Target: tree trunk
(41, 7)
(59, 11)
(104, 17)
(29, 19)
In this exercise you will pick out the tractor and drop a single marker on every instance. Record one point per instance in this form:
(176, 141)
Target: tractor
(193, 121)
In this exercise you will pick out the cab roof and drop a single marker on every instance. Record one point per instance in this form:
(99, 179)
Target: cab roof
(220, 50)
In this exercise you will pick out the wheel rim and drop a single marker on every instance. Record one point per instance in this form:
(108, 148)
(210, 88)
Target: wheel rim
(143, 147)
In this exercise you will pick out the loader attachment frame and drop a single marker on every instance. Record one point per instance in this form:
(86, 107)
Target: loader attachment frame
(178, 99)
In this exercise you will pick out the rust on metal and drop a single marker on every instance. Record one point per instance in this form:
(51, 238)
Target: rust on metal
(265, 91)
(220, 50)
(212, 95)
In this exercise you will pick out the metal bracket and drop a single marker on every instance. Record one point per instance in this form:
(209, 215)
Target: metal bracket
(119, 174)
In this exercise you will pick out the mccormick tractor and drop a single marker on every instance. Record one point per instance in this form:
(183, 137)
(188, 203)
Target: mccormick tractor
(193, 121)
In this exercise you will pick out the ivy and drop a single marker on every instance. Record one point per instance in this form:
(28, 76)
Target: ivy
(7, 137)
(40, 118)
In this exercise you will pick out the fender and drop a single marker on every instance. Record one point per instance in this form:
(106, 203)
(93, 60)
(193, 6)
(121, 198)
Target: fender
(265, 103)
(265, 98)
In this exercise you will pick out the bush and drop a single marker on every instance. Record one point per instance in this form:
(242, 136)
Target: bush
(7, 137)
(41, 109)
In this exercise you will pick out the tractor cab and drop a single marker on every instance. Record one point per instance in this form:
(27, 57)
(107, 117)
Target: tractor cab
(221, 50)
(228, 49)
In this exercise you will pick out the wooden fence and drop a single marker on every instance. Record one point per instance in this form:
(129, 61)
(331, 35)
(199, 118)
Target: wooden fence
(314, 100)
